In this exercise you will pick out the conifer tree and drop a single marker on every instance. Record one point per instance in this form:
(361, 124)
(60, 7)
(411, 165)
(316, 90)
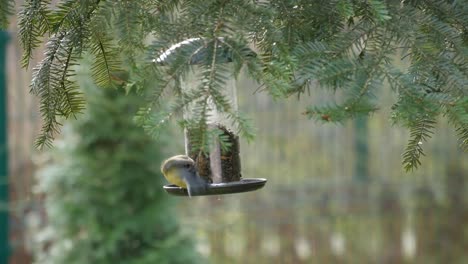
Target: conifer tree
(104, 198)
(348, 46)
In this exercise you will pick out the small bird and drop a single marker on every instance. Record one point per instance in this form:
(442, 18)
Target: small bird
(180, 170)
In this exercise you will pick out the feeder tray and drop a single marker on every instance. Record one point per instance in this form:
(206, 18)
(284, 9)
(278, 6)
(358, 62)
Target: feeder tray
(244, 185)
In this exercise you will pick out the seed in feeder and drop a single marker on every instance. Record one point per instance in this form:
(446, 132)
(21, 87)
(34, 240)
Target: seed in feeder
(230, 159)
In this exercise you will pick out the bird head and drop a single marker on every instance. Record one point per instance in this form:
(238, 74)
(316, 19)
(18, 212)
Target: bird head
(178, 162)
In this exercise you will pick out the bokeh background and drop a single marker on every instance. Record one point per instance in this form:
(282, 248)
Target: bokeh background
(336, 193)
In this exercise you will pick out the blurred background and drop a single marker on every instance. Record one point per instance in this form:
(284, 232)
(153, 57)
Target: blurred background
(336, 193)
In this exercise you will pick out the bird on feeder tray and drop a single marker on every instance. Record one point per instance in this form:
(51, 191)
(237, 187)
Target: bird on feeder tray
(180, 170)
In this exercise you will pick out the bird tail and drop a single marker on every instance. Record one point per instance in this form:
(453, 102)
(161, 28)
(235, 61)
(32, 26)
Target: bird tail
(195, 184)
(197, 188)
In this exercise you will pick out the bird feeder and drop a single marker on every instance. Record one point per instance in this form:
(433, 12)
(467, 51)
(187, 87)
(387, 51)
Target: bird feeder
(221, 165)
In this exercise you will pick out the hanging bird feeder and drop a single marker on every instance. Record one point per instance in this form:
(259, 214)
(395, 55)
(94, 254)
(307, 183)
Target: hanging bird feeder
(220, 166)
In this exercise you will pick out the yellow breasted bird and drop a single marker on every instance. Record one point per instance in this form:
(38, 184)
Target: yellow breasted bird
(180, 170)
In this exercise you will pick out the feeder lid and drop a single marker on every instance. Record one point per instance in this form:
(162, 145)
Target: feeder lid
(197, 49)
(244, 185)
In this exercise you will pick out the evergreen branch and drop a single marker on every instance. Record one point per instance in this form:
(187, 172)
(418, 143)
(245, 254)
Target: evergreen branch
(129, 26)
(59, 97)
(278, 74)
(244, 125)
(202, 129)
(51, 80)
(358, 78)
(73, 17)
(346, 45)
(63, 81)
(403, 85)
(65, 13)
(339, 113)
(212, 68)
(331, 74)
(379, 10)
(43, 84)
(106, 60)
(73, 102)
(241, 55)
(463, 137)
(200, 132)
(457, 113)
(413, 100)
(6, 9)
(152, 121)
(33, 25)
(178, 60)
(345, 42)
(420, 131)
(41, 77)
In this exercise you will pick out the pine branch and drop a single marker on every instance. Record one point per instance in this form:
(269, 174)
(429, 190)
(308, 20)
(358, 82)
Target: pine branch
(244, 125)
(46, 84)
(335, 74)
(152, 121)
(240, 54)
(210, 53)
(129, 25)
(64, 15)
(277, 73)
(463, 136)
(71, 100)
(6, 9)
(73, 17)
(33, 25)
(106, 61)
(52, 78)
(457, 113)
(209, 87)
(178, 61)
(345, 45)
(420, 131)
(59, 96)
(379, 10)
(340, 113)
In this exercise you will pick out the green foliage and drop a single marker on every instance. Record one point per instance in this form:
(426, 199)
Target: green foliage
(33, 24)
(104, 198)
(353, 47)
(58, 95)
(74, 27)
(6, 9)
(456, 112)
(420, 131)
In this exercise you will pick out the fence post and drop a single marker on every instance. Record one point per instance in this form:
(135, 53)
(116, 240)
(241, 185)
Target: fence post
(361, 171)
(4, 212)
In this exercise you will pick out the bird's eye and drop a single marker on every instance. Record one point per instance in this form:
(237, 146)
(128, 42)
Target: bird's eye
(186, 165)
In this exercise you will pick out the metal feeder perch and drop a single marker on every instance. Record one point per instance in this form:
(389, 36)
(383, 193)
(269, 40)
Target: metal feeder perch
(221, 168)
